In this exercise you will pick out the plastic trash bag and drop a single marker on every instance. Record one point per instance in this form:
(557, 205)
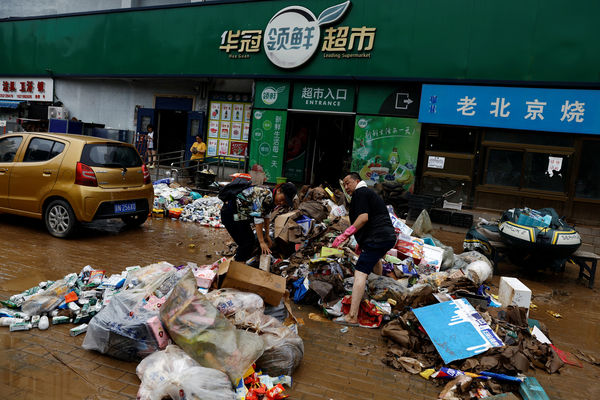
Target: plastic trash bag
(284, 349)
(422, 225)
(230, 301)
(205, 334)
(139, 278)
(50, 298)
(173, 374)
(120, 329)
(478, 272)
(475, 266)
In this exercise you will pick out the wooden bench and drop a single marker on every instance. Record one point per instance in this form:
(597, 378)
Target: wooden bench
(587, 262)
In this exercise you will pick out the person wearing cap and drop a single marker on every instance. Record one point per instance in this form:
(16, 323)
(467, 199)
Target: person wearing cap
(245, 203)
(374, 233)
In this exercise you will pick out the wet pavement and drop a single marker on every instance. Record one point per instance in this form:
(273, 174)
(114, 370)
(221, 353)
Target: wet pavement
(336, 365)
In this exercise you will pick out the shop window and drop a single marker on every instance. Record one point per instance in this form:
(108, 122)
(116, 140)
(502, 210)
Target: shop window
(588, 179)
(504, 167)
(544, 171)
(527, 169)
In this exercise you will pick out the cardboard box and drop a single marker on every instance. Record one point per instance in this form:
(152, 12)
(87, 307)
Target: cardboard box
(240, 276)
(513, 292)
(286, 229)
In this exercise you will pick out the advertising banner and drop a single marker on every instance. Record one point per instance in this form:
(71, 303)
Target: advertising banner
(239, 149)
(268, 142)
(211, 149)
(386, 149)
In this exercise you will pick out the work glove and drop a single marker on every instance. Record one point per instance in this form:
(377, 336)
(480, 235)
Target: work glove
(344, 236)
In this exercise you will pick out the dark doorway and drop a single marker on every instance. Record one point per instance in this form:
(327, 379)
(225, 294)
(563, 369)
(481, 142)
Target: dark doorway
(171, 130)
(319, 147)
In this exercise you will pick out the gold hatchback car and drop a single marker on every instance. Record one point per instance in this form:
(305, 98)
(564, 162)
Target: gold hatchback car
(66, 179)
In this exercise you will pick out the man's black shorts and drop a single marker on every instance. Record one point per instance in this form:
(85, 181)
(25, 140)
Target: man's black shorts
(371, 254)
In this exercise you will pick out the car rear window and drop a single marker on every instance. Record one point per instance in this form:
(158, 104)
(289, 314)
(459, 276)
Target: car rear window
(110, 155)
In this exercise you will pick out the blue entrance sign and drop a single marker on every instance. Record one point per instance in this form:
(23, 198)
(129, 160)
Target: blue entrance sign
(554, 110)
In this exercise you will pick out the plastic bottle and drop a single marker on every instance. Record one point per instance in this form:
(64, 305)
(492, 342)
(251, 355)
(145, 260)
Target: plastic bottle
(44, 323)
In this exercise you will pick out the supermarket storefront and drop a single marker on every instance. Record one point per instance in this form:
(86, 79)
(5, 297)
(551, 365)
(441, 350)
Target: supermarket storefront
(309, 92)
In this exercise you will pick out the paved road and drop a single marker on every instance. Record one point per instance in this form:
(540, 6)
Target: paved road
(51, 364)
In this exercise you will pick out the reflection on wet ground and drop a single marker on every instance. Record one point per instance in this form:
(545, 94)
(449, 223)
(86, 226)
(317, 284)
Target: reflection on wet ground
(52, 365)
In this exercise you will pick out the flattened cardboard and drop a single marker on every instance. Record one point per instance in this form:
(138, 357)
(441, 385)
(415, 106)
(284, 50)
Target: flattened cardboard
(286, 229)
(240, 276)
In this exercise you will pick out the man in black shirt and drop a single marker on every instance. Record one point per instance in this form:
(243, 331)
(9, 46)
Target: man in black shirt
(374, 232)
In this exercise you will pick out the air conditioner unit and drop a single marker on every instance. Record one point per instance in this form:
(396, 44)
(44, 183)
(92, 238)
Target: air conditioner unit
(57, 113)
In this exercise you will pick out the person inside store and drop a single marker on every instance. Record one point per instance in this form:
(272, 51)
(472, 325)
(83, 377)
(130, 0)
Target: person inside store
(244, 204)
(198, 150)
(151, 148)
(374, 233)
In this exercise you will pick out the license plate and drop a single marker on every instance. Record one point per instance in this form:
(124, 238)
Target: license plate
(124, 208)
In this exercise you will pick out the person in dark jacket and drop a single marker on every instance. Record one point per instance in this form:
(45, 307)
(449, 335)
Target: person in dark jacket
(244, 203)
(374, 233)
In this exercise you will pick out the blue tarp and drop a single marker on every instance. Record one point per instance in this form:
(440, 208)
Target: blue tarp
(9, 104)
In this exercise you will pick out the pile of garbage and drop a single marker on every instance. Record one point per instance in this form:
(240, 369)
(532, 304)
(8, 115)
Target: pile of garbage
(178, 202)
(196, 341)
(438, 316)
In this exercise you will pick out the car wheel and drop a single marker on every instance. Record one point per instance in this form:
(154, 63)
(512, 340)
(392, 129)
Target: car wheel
(135, 220)
(60, 219)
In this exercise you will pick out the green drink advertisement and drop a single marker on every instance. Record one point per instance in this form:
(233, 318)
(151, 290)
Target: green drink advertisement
(268, 142)
(386, 149)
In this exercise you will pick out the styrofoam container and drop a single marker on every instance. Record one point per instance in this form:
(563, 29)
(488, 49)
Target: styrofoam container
(514, 293)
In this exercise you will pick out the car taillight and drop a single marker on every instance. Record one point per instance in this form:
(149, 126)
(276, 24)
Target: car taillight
(146, 174)
(85, 176)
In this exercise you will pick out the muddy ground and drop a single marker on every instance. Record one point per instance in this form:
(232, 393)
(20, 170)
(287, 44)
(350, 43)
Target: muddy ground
(52, 365)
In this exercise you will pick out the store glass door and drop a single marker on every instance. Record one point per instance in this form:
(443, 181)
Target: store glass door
(319, 147)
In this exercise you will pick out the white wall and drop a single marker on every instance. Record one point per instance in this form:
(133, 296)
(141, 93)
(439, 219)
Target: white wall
(112, 102)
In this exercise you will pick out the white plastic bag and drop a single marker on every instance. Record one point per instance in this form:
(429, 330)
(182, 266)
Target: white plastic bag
(230, 301)
(173, 374)
(478, 271)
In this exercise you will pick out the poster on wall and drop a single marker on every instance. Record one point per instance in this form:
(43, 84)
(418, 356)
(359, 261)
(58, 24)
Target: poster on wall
(386, 149)
(247, 112)
(226, 112)
(236, 131)
(211, 149)
(238, 112)
(213, 129)
(238, 149)
(215, 111)
(224, 130)
(225, 124)
(268, 142)
(246, 132)
(223, 147)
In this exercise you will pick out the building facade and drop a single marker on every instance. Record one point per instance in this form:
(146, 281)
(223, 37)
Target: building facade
(496, 104)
